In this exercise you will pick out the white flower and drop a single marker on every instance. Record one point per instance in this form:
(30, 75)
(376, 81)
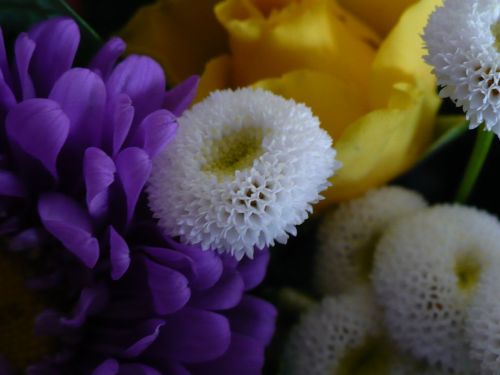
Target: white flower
(330, 331)
(483, 323)
(463, 42)
(343, 335)
(427, 268)
(347, 236)
(242, 172)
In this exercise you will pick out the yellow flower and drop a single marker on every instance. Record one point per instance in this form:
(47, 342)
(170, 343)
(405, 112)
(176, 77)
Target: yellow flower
(181, 34)
(367, 82)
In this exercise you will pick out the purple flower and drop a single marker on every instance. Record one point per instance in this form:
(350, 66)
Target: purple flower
(75, 154)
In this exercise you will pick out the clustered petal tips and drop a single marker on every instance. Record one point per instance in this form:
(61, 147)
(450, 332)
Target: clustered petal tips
(347, 236)
(343, 335)
(463, 43)
(329, 331)
(427, 268)
(242, 172)
(483, 324)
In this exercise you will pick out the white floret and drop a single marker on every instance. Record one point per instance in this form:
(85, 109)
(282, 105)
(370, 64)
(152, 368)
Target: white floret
(344, 335)
(426, 270)
(243, 171)
(483, 323)
(462, 39)
(408, 366)
(329, 331)
(348, 235)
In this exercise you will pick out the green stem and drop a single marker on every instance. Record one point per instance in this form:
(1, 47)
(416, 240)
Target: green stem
(478, 157)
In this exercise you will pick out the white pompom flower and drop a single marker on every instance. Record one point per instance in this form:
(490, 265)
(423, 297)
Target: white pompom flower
(347, 236)
(344, 335)
(427, 268)
(243, 171)
(483, 323)
(463, 43)
(330, 336)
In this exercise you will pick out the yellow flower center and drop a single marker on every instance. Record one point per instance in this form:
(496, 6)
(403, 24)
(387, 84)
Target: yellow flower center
(234, 151)
(19, 307)
(495, 30)
(365, 257)
(373, 357)
(467, 270)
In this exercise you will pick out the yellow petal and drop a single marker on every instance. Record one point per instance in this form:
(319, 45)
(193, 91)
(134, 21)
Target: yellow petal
(268, 41)
(217, 76)
(335, 102)
(381, 15)
(181, 34)
(400, 57)
(383, 143)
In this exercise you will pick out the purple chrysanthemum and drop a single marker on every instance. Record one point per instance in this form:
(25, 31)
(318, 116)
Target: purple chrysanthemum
(75, 153)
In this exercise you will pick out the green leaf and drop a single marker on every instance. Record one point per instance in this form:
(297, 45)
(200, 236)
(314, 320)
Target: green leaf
(448, 128)
(17, 16)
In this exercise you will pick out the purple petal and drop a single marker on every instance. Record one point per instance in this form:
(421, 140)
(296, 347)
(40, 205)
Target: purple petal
(139, 369)
(11, 185)
(106, 57)
(125, 340)
(82, 95)
(192, 336)
(171, 368)
(207, 265)
(4, 62)
(134, 167)
(255, 318)
(71, 225)
(169, 289)
(245, 356)
(120, 114)
(225, 294)
(40, 128)
(156, 131)
(56, 45)
(172, 259)
(119, 254)
(143, 80)
(24, 49)
(52, 323)
(28, 239)
(99, 173)
(90, 301)
(179, 98)
(7, 97)
(254, 270)
(108, 367)
(149, 333)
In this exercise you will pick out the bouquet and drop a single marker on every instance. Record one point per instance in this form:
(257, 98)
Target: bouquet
(245, 187)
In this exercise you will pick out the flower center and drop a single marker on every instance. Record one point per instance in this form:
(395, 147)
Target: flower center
(467, 270)
(234, 151)
(19, 308)
(365, 257)
(495, 30)
(373, 357)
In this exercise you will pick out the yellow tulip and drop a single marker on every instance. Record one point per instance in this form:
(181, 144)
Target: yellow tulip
(371, 89)
(381, 15)
(181, 34)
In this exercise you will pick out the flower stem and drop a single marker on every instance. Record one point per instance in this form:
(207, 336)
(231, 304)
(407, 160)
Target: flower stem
(478, 157)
